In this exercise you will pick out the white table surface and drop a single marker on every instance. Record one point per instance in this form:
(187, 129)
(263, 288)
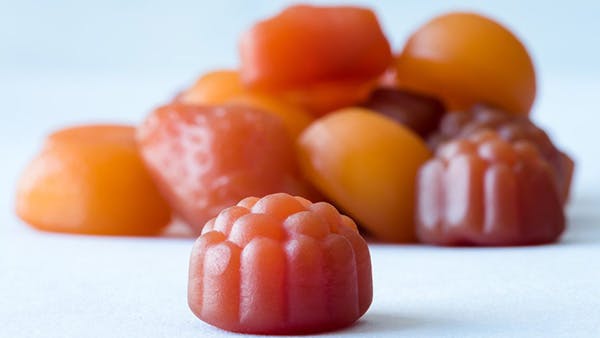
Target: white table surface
(62, 68)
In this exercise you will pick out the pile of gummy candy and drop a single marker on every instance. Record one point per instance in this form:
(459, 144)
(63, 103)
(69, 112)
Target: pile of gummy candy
(431, 144)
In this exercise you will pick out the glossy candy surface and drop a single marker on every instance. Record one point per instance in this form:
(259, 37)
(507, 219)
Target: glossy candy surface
(280, 265)
(465, 59)
(322, 58)
(206, 158)
(366, 164)
(486, 191)
(91, 180)
(510, 128)
(420, 113)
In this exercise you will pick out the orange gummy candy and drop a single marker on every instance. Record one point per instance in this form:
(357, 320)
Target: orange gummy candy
(366, 164)
(465, 59)
(280, 265)
(91, 180)
(322, 58)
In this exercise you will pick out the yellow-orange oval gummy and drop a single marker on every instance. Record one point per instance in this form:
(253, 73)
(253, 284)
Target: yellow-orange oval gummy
(367, 164)
(465, 59)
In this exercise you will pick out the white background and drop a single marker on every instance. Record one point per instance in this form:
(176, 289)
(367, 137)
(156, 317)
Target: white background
(69, 62)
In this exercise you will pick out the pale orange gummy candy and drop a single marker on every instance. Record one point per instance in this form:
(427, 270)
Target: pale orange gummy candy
(91, 180)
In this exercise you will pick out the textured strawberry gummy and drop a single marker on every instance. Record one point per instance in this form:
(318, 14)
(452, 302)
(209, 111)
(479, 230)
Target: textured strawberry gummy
(486, 191)
(206, 158)
(280, 265)
(511, 128)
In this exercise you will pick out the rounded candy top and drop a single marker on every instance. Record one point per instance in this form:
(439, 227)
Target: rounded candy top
(465, 59)
(280, 265)
(510, 128)
(484, 190)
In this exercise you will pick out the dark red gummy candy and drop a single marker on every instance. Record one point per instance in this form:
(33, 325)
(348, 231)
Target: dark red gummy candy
(510, 128)
(483, 190)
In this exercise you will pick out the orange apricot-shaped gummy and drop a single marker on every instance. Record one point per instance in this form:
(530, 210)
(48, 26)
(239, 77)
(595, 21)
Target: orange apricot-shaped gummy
(367, 164)
(280, 265)
(465, 58)
(91, 180)
(206, 158)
